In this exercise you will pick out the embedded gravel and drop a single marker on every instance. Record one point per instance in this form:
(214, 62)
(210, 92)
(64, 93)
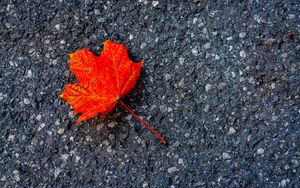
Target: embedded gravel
(221, 81)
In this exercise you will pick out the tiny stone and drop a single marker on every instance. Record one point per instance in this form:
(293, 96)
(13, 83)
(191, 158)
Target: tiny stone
(130, 37)
(111, 136)
(11, 137)
(42, 126)
(229, 38)
(260, 151)
(38, 117)
(172, 169)
(128, 117)
(180, 161)
(34, 142)
(111, 125)
(181, 83)
(56, 172)
(233, 74)
(61, 131)
(88, 138)
(208, 87)
(291, 16)
(221, 85)
(57, 122)
(3, 178)
(143, 45)
(97, 12)
(167, 77)
(207, 45)
(163, 108)
(65, 157)
(242, 35)
(71, 114)
(31, 50)
(47, 41)
(195, 20)
(284, 182)
(231, 130)
(206, 108)
(242, 54)
(181, 60)
(145, 184)
(29, 74)
(57, 27)
(26, 101)
(77, 159)
(17, 176)
(108, 149)
(284, 55)
(273, 85)
(195, 51)
(252, 81)
(226, 155)
(154, 3)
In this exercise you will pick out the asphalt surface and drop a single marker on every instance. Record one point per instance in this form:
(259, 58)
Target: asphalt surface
(221, 81)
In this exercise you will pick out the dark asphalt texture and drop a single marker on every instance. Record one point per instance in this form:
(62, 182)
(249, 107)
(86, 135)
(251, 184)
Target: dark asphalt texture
(221, 81)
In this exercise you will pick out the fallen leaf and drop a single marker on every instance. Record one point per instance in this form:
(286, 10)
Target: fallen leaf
(102, 81)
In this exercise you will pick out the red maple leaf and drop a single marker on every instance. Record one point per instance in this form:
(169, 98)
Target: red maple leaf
(102, 81)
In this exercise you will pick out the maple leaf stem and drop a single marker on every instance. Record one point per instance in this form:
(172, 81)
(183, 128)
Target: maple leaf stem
(144, 123)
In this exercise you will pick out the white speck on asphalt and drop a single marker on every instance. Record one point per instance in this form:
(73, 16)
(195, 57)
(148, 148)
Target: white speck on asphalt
(108, 149)
(172, 169)
(57, 27)
(61, 131)
(26, 101)
(260, 151)
(231, 130)
(194, 51)
(181, 60)
(130, 36)
(167, 77)
(143, 45)
(226, 156)
(111, 125)
(208, 87)
(242, 35)
(154, 3)
(243, 53)
(206, 45)
(181, 83)
(38, 117)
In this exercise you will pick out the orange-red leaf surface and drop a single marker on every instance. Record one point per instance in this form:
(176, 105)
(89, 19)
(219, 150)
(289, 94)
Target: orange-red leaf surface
(102, 80)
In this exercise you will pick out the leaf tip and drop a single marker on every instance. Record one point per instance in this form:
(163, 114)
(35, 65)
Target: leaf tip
(107, 41)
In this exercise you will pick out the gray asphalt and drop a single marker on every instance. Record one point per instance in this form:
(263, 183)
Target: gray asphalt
(221, 82)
